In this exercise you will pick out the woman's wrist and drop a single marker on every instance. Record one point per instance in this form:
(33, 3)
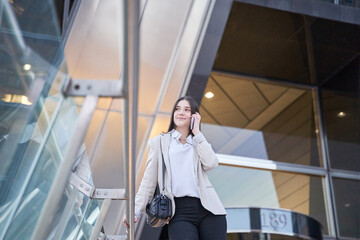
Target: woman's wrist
(196, 132)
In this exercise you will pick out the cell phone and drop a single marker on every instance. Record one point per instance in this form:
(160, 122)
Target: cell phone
(192, 123)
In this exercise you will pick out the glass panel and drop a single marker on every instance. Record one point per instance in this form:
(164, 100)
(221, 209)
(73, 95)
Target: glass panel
(273, 44)
(260, 120)
(108, 156)
(347, 200)
(31, 71)
(70, 219)
(29, 63)
(154, 64)
(90, 216)
(35, 17)
(76, 216)
(239, 187)
(34, 176)
(341, 111)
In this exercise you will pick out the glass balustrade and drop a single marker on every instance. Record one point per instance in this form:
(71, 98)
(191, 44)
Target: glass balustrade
(36, 125)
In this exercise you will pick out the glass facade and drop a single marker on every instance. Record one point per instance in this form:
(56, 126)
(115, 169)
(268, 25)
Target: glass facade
(347, 198)
(284, 94)
(341, 107)
(261, 120)
(240, 187)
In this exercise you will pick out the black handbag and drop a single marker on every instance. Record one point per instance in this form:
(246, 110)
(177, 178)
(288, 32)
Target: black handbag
(159, 210)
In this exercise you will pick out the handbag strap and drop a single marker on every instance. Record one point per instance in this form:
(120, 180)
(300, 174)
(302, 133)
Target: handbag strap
(163, 168)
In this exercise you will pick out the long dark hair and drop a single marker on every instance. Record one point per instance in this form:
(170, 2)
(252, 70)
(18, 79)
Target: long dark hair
(193, 106)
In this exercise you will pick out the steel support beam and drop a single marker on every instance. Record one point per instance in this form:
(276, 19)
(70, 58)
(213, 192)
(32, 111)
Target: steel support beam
(100, 220)
(101, 88)
(131, 65)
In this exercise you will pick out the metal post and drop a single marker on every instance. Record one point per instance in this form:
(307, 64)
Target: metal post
(130, 63)
(329, 191)
(66, 214)
(65, 14)
(100, 220)
(52, 202)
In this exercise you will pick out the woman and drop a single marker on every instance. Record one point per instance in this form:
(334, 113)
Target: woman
(198, 213)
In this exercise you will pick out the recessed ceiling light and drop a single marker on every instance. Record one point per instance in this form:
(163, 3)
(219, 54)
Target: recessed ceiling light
(341, 114)
(27, 67)
(347, 205)
(209, 95)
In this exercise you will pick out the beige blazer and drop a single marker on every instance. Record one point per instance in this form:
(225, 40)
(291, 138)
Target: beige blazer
(204, 159)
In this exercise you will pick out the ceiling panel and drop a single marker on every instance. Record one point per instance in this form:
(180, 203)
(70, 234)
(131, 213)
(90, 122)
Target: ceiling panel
(270, 92)
(221, 107)
(244, 94)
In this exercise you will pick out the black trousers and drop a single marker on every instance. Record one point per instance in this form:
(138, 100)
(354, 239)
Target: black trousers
(193, 222)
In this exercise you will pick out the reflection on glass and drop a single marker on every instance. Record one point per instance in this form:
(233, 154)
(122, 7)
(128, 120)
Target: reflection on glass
(27, 193)
(30, 57)
(347, 200)
(90, 216)
(258, 120)
(341, 109)
(242, 187)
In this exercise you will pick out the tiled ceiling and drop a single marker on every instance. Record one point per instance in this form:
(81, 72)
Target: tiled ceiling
(244, 104)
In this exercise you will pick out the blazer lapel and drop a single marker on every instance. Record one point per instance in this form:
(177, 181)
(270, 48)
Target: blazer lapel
(165, 142)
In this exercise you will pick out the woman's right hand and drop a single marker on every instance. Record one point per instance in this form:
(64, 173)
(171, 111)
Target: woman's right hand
(127, 224)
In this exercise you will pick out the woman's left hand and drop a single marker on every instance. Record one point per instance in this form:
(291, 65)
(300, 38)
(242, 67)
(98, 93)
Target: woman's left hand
(196, 128)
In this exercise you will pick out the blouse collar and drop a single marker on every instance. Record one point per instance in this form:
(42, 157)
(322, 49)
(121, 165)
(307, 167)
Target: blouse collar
(175, 134)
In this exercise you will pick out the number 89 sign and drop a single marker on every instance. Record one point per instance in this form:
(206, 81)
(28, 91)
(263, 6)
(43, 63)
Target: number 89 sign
(276, 221)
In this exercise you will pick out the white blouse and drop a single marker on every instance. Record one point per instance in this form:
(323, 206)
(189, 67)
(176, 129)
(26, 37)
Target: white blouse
(183, 178)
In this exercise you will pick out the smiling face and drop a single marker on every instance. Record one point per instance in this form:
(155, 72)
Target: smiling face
(182, 114)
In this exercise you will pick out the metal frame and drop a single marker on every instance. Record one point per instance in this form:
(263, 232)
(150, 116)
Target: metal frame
(206, 54)
(329, 190)
(70, 17)
(264, 80)
(66, 13)
(101, 88)
(100, 220)
(255, 163)
(97, 193)
(66, 214)
(115, 237)
(131, 71)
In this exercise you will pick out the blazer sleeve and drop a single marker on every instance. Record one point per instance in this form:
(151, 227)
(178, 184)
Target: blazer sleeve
(149, 180)
(206, 154)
